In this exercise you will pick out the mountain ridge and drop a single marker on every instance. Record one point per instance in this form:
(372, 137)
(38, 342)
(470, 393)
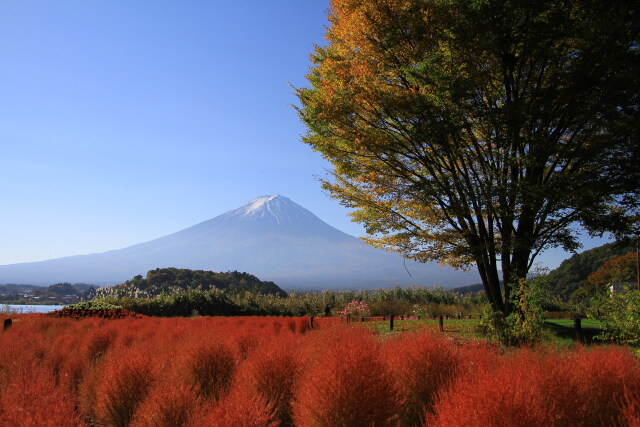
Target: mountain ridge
(270, 237)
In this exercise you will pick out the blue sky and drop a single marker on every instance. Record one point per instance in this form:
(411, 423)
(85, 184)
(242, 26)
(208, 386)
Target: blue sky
(125, 121)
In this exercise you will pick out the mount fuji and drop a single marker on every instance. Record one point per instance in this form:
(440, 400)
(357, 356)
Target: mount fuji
(270, 237)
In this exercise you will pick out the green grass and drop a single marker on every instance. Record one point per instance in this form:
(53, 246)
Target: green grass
(559, 332)
(564, 334)
(462, 328)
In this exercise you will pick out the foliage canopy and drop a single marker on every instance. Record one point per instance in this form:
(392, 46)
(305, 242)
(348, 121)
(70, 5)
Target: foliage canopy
(479, 132)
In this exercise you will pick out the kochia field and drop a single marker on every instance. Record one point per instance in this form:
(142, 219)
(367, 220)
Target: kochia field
(270, 371)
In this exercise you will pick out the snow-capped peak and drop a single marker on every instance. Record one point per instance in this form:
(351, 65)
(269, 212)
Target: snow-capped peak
(274, 209)
(258, 203)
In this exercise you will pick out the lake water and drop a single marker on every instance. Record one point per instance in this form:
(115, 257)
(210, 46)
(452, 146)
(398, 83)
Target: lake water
(30, 308)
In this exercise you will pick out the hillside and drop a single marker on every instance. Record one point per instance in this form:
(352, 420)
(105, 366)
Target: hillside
(469, 289)
(572, 273)
(165, 279)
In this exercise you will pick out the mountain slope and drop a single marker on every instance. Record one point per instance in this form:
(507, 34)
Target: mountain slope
(270, 237)
(572, 273)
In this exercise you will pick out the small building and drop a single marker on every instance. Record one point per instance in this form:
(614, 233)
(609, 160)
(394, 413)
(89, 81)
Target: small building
(617, 287)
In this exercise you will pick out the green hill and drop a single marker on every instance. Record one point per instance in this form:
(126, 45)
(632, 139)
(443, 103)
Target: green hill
(572, 273)
(165, 279)
(469, 289)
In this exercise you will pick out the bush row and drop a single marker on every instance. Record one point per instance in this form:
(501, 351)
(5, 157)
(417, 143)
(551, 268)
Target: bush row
(268, 371)
(381, 302)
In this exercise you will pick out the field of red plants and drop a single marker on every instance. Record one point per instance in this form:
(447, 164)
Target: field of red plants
(270, 371)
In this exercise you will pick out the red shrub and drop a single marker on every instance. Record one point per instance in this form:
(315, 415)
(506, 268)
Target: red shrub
(72, 373)
(98, 342)
(272, 372)
(208, 368)
(30, 398)
(508, 396)
(423, 364)
(238, 409)
(630, 408)
(349, 385)
(298, 324)
(247, 339)
(167, 405)
(87, 393)
(600, 377)
(578, 388)
(124, 383)
(230, 371)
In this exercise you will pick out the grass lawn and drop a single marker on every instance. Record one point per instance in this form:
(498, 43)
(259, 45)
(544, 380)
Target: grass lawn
(560, 332)
(455, 328)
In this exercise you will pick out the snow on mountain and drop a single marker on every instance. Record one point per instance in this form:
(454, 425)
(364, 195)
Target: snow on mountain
(270, 236)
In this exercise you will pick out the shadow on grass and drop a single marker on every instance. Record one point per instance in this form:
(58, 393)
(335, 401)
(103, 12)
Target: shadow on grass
(568, 333)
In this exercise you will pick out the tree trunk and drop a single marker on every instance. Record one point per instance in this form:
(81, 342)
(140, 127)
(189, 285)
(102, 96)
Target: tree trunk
(491, 283)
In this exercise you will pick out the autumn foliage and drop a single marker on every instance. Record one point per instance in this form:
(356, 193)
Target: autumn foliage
(275, 371)
(620, 269)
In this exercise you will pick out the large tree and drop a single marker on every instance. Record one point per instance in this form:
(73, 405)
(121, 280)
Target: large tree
(479, 132)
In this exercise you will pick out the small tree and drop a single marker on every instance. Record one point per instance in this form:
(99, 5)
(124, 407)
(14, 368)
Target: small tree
(355, 309)
(525, 323)
(619, 315)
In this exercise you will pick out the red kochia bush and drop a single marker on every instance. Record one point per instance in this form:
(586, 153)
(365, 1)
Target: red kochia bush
(349, 385)
(630, 408)
(272, 372)
(240, 408)
(97, 342)
(239, 371)
(167, 405)
(536, 388)
(207, 367)
(30, 398)
(125, 380)
(423, 364)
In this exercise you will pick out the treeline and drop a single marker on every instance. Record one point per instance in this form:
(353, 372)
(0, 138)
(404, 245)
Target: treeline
(213, 302)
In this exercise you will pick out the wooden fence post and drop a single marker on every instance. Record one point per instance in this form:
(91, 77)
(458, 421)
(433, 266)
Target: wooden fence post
(577, 324)
(391, 322)
(311, 322)
(441, 322)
